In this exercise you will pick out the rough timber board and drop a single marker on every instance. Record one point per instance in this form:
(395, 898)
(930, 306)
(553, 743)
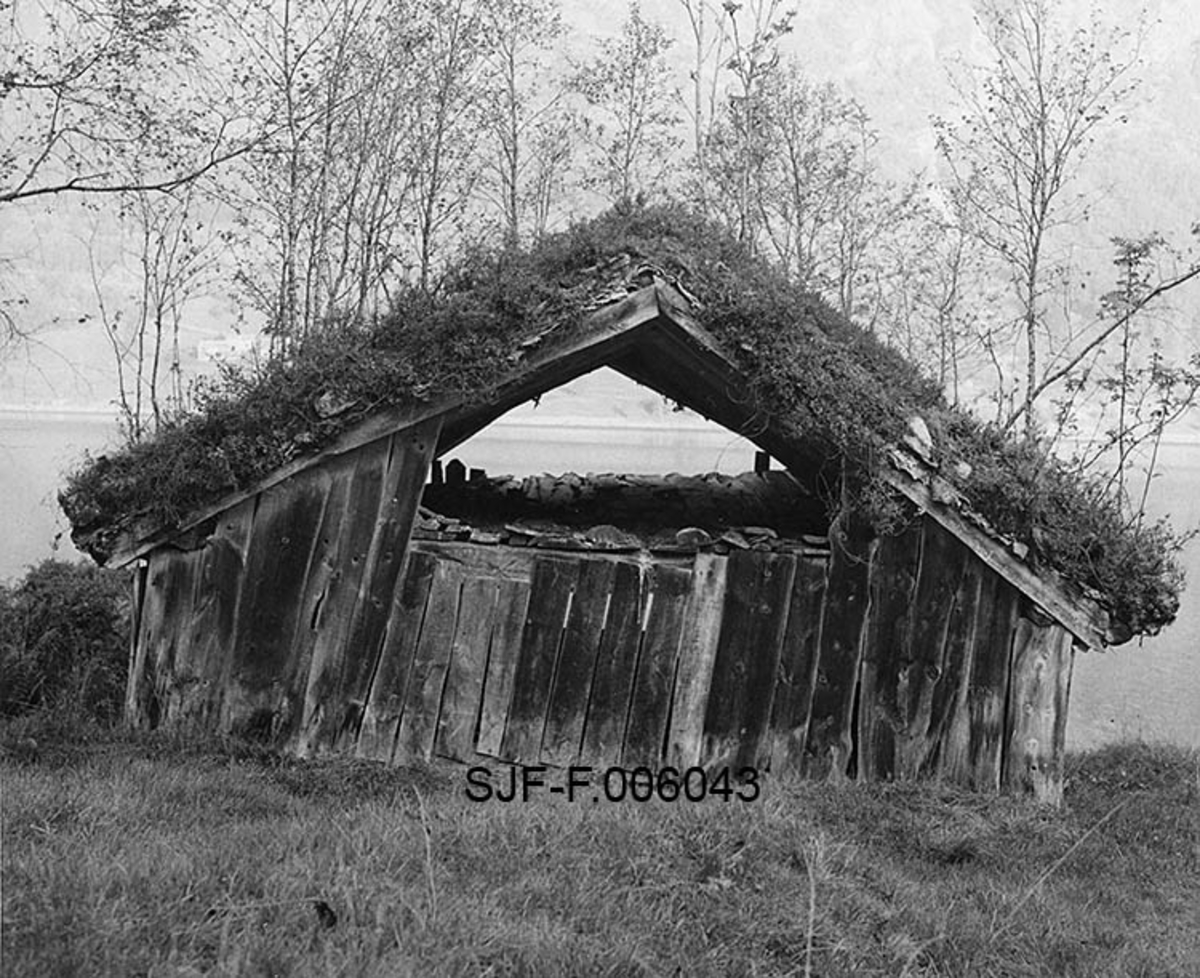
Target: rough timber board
(333, 607)
(1062, 700)
(377, 739)
(500, 562)
(666, 595)
(504, 647)
(137, 651)
(408, 455)
(796, 680)
(843, 616)
(175, 667)
(213, 619)
(768, 628)
(942, 564)
(167, 595)
(461, 696)
(888, 653)
(616, 662)
(1041, 679)
(697, 653)
(990, 666)
(550, 598)
(206, 637)
(431, 660)
(140, 708)
(950, 723)
(753, 623)
(562, 740)
(322, 574)
(281, 541)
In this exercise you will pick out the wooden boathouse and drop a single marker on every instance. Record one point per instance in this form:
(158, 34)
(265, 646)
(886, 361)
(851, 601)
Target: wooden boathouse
(339, 606)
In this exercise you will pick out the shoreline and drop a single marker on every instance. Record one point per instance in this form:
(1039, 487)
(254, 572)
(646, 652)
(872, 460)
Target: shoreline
(575, 423)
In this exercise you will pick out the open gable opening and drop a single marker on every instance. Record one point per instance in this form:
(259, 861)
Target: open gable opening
(605, 463)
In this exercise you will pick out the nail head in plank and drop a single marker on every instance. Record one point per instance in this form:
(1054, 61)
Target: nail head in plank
(667, 589)
(562, 741)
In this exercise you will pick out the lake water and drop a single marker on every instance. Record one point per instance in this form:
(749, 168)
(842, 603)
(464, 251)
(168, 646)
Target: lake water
(1151, 690)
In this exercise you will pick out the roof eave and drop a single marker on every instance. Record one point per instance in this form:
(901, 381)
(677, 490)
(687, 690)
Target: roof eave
(1084, 618)
(542, 362)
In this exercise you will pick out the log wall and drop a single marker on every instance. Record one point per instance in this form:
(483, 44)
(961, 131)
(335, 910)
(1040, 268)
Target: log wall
(309, 620)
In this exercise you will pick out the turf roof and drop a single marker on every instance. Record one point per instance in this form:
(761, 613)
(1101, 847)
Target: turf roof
(810, 371)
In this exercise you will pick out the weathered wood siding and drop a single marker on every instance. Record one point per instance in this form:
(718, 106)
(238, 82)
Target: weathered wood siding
(957, 682)
(619, 659)
(310, 621)
(1037, 709)
(273, 627)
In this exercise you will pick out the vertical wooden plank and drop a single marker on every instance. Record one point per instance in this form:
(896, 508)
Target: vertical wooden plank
(160, 677)
(431, 659)
(887, 656)
(843, 617)
(752, 628)
(797, 666)
(1062, 703)
(990, 663)
(174, 677)
(512, 605)
(321, 576)
(950, 728)
(550, 598)
(462, 695)
(214, 615)
(920, 678)
(645, 733)
(613, 676)
(563, 737)
(141, 696)
(768, 627)
(1041, 664)
(406, 467)
(697, 654)
(377, 739)
(333, 593)
(285, 527)
(137, 650)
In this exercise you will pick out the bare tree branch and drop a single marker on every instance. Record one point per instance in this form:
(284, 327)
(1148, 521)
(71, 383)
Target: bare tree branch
(1068, 368)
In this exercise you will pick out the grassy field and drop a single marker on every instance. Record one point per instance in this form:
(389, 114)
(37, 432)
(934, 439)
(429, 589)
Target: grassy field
(142, 856)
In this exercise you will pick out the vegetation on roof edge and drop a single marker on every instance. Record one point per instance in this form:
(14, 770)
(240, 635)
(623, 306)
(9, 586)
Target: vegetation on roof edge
(810, 370)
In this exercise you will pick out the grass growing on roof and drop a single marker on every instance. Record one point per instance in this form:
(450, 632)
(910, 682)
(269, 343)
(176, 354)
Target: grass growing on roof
(810, 370)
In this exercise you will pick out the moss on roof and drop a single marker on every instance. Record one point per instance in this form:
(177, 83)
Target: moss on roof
(815, 374)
